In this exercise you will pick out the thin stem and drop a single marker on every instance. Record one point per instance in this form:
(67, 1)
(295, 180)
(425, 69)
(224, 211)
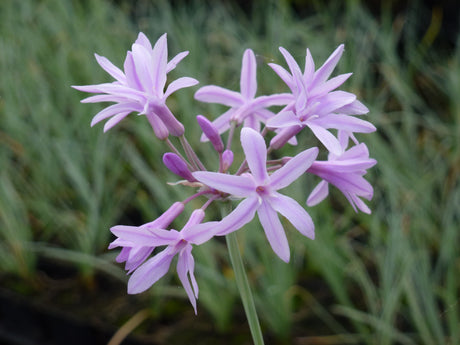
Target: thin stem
(192, 156)
(244, 288)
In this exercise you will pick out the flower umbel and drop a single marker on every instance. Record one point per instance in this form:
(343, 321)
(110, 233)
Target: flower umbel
(313, 101)
(140, 88)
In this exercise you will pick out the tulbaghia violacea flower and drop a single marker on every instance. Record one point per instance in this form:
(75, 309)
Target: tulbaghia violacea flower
(345, 171)
(315, 103)
(140, 87)
(135, 254)
(244, 106)
(260, 192)
(176, 242)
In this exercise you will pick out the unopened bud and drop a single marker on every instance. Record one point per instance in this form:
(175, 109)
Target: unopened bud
(177, 165)
(227, 159)
(211, 132)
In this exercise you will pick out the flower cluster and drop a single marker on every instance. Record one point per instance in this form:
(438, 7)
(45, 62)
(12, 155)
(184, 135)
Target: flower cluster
(313, 104)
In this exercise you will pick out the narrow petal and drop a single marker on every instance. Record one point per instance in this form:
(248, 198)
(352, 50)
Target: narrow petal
(179, 84)
(326, 138)
(150, 272)
(144, 41)
(256, 153)
(354, 108)
(275, 99)
(309, 68)
(200, 233)
(175, 60)
(284, 75)
(284, 119)
(137, 255)
(346, 123)
(130, 72)
(159, 60)
(239, 217)
(293, 169)
(329, 85)
(293, 66)
(295, 213)
(217, 94)
(319, 193)
(110, 68)
(238, 186)
(114, 110)
(334, 100)
(115, 120)
(185, 267)
(143, 64)
(326, 69)
(248, 81)
(274, 230)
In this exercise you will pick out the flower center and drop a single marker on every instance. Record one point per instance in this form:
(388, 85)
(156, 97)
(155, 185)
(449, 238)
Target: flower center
(262, 190)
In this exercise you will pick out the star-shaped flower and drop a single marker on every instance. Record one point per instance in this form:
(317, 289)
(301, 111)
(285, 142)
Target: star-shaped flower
(315, 103)
(176, 242)
(260, 193)
(140, 88)
(345, 171)
(244, 106)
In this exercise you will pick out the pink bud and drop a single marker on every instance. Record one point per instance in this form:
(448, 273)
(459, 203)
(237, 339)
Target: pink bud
(211, 133)
(160, 130)
(172, 124)
(177, 165)
(163, 221)
(227, 159)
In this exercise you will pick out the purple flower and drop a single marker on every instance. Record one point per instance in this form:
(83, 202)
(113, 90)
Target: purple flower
(260, 192)
(345, 171)
(133, 254)
(244, 106)
(315, 103)
(140, 88)
(177, 243)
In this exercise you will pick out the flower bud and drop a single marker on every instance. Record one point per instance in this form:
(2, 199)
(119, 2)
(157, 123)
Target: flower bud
(160, 130)
(227, 159)
(177, 165)
(173, 125)
(211, 132)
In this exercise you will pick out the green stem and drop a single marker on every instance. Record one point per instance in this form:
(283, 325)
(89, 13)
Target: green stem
(244, 288)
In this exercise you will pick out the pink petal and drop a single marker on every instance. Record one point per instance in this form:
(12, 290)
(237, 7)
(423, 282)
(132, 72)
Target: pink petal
(179, 84)
(185, 268)
(200, 233)
(256, 153)
(159, 61)
(309, 68)
(115, 120)
(326, 69)
(293, 66)
(110, 68)
(354, 108)
(114, 110)
(274, 230)
(143, 41)
(143, 64)
(238, 186)
(318, 194)
(326, 138)
(150, 272)
(329, 85)
(217, 94)
(295, 213)
(293, 169)
(248, 81)
(284, 119)
(239, 217)
(175, 60)
(284, 75)
(346, 123)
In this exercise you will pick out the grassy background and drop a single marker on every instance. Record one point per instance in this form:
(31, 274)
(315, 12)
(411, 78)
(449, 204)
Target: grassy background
(388, 278)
